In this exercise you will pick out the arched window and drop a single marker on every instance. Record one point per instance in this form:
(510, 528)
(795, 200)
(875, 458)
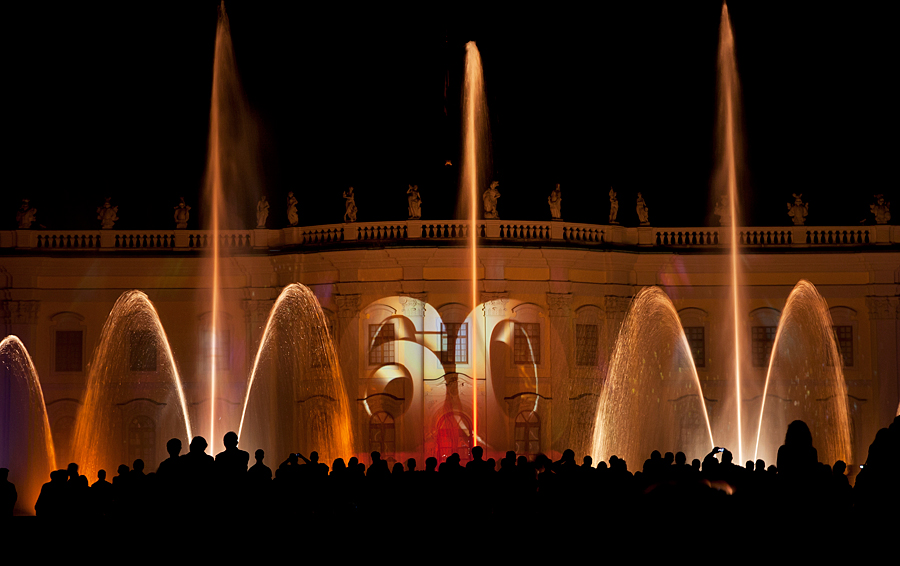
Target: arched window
(454, 434)
(142, 441)
(528, 433)
(381, 433)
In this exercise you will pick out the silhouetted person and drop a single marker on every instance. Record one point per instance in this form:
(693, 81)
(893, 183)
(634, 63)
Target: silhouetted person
(797, 457)
(9, 495)
(170, 468)
(477, 465)
(231, 464)
(51, 501)
(101, 495)
(259, 473)
(198, 468)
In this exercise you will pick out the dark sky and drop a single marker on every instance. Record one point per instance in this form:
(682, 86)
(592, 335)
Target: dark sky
(114, 101)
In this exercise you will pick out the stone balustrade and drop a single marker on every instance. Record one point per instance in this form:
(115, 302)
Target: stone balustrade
(499, 231)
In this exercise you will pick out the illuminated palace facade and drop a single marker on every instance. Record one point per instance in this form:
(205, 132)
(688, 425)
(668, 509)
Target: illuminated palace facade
(423, 371)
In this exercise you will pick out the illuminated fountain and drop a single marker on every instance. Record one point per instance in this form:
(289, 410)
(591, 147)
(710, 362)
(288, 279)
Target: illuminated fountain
(131, 338)
(474, 178)
(25, 435)
(295, 393)
(653, 398)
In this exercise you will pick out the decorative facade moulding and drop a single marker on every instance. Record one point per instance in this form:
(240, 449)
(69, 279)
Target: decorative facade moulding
(21, 312)
(257, 310)
(560, 304)
(413, 304)
(348, 305)
(616, 307)
(494, 304)
(881, 308)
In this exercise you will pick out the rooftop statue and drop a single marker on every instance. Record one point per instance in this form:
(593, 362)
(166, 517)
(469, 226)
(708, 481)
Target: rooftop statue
(107, 214)
(555, 202)
(798, 210)
(350, 206)
(25, 215)
(182, 215)
(293, 219)
(881, 209)
(262, 212)
(415, 202)
(490, 197)
(642, 211)
(723, 211)
(613, 206)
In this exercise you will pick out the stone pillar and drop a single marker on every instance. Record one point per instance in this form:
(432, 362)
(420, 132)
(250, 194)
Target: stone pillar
(562, 352)
(413, 420)
(347, 335)
(493, 423)
(884, 320)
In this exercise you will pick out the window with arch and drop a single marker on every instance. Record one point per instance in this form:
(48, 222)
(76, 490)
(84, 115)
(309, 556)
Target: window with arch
(763, 329)
(382, 433)
(528, 433)
(381, 344)
(454, 434)
(142, 441)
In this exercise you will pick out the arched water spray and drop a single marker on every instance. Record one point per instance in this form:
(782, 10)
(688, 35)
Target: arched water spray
(26, 444)
(132, 337)
(295, 394)
(805, 380)
(652, 399)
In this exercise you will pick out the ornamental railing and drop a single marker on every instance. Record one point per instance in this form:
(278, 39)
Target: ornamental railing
(446, 231)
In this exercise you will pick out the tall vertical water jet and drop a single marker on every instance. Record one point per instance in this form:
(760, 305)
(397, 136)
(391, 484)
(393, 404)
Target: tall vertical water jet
(132, 343)
(726, 181)
(231, 167)
(475, 176)
(652, 399)
(295, 395)
(805, 381)
(26, 444)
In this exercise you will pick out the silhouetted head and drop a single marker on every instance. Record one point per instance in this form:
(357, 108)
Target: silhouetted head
(839, 468)
(749, 465)
(72, 470)
(655, 455)
(477, 453)
(292, 458)
(695, 464)
(59, 476)
(680, 458)
(314, 457)
(338, 465)
(122, 470)
(352, 462)
(587, 461)
(260, 454)
(760, 466)
(230, 440)
(521, 462)
(198, 445)
(397, 469)
(138, 465)
(376, 456)
(568, 455)
(411, 464)
(101, 475)
(798, 435)
(727, 456)
(173, 447)
(669, 458)
(430, 463)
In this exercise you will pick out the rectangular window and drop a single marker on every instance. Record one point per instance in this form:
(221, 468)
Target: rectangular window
(527, 343)
(762, 340)
(381, 344)
(844, 337)
(455, 343)
(69, 350)
(142, 351)
(223, 348)
(697, 341)
(587, 336)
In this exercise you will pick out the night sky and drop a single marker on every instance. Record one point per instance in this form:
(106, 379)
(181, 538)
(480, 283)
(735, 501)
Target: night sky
(114, 101)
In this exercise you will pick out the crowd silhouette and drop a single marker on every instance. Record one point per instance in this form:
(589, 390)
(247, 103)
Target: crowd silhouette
(304, 489)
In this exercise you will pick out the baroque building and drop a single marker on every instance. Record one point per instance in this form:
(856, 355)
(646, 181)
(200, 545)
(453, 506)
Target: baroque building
(423, 371)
